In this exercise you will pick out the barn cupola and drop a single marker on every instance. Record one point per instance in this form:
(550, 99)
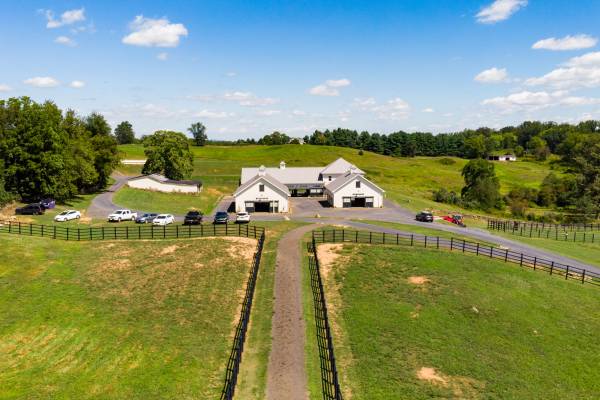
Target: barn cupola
(262, 171)
(282, 165)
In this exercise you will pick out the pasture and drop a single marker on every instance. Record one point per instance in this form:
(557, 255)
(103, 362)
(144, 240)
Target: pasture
(419, 324)
(408, 181)
(114, 320)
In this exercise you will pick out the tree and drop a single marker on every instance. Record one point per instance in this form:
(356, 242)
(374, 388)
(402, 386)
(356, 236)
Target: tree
(168, 153)
(482, 187)
(275, 138)
(97, 125)
(198, 131)
(105, 148)
(124, 133)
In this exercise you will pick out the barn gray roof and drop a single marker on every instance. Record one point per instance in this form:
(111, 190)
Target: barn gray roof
(163, 179)
(340, 166)
(266, 177)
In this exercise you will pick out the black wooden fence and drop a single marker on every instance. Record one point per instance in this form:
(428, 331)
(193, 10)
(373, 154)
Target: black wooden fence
(124, 232)
(235, 357)
(502, 224)
(537, 264)
(554, 232)
(329, 374)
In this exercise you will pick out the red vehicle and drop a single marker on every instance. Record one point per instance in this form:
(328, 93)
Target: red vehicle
(455, 219)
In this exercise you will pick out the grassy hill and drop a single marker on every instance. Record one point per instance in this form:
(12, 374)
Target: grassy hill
(408, 181)
(118, 320)
(418, 324)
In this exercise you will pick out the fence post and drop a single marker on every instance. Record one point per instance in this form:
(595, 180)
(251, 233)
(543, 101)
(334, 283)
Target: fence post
(567, 273)
(127, 232)
(370, 237)
(177, 231)
(78, 234)
(477, 251)
(397, 239)
(506, 256)
(534, 262)
(425, 241)
(164, 231)
(464, 242)
(551, 267)
(491, 251)
(412, 239)
(383, 237)
(521, 264)
(583, 277)
(102, 233)
(451, 243)
(355, 236)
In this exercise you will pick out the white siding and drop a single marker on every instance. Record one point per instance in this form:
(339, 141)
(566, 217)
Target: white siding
(253, 194)
(151, 184)
(350, 190)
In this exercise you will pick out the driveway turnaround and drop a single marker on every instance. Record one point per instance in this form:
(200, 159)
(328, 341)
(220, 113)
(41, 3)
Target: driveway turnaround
(286, 376)
(102, 205)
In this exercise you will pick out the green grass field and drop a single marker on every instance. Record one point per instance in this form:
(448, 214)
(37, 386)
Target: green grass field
(135, 319)
(174, 203)
(408, 181)
(416, 324)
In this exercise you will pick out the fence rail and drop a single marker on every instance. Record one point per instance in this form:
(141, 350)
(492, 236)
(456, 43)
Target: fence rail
(127, 232)
(548, 232)
(538, 264)
(235, 357)
(329, 375)
(507, 225)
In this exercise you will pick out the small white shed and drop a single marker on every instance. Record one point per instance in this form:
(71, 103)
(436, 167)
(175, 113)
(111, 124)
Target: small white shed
(161, 183)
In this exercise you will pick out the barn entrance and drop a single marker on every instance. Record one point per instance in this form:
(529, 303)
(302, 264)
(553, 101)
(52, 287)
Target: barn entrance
(263, 206)
(349, 202)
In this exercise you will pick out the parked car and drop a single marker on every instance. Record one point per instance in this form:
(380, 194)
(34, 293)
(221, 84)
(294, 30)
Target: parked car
(221, 217)
(122, 215)
(424, 216)
(163, 219)
(67, 216)
(30, 209)
(48, 204)
(146, 218)
(193, 218)
(242, 217)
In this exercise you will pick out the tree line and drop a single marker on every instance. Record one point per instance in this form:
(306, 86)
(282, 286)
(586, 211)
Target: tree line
(47, 152)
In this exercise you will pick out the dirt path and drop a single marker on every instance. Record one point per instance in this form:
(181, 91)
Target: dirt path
(286, 376)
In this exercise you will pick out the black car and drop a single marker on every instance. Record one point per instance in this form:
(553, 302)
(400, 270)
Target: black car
(424, 216)
(193, 218)
(221, 217)
(30, 209)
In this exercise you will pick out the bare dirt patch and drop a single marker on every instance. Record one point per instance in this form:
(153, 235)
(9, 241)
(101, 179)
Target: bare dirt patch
(328, 254)
(462, 387)
(168, 250)
(418, 280)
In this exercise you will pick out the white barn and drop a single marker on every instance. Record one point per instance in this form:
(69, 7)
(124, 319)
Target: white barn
(161, 183)
(269, 189)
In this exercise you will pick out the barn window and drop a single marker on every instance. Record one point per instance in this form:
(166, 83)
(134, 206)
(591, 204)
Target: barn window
(261, 188)
(358, 184)
(330, 177)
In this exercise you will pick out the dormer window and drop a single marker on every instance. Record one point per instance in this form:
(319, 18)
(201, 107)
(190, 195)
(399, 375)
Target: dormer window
(358, 184)
(261, 188)
(330, 178)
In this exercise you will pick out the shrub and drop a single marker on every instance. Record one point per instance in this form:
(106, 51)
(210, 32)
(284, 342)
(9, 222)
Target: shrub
(444, 196)
(446, 161)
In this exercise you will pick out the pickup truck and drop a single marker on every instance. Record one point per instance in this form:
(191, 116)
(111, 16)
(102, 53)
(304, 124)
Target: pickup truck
(122, 215)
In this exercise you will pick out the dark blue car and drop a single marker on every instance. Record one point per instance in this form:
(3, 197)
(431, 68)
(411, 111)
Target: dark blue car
(48, 204)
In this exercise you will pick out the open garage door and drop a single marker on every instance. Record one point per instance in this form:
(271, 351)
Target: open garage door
(265, 206)
(365, 202)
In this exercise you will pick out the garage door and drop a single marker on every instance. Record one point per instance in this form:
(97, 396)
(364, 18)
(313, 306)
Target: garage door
(369, 202)
(347, 202)
(249, 206)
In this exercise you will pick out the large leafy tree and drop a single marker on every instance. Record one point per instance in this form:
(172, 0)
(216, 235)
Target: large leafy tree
(482, 187)
(198, 131)
(587, 163)
(105, 147)
(168, 153)
(124, 133)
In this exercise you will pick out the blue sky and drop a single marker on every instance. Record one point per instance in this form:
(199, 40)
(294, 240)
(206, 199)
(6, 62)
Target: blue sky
(247, 68)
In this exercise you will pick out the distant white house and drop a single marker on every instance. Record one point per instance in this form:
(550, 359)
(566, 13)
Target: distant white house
(161, 183)
(505, 157)
(269, 189)
(133, 162)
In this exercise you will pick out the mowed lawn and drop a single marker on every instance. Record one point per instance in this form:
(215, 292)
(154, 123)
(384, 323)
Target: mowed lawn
(170, 203)
(418, 324)
(408, 181)
(118, 320)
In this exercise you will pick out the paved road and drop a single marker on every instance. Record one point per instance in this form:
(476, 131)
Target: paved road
(102, 205)
(286, 376)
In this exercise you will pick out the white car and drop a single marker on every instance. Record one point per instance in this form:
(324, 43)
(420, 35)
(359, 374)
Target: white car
(242, 217)
(67, 215)
(163, 219)
(122, 215)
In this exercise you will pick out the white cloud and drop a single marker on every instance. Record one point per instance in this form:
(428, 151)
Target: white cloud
(67, 18)
(148, 32)
(42, 82)
(231, 74)
(492, 75)
(65, 40)
(499, 10)
(568, 42)
(394, 109)
(338, 82)
(428, 110)
(248, 99)
(582, 71)
(268, 113)
(531, 101)
(364, 103)
(5, 88)
(213, 114)
(329, 88)
(162, 56)
(77, 84)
